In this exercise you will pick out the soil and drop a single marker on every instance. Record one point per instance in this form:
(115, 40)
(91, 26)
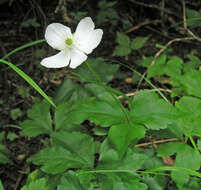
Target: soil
(23, 21)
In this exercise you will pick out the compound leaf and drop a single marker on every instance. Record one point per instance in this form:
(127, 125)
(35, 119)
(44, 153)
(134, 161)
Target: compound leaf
(109, 159)
(98, 65)
(40, 120)
(148, 109)
(138, 42)
(80, 145)
(4, 155)
(55, 160)
(123, 134)
(36, 185)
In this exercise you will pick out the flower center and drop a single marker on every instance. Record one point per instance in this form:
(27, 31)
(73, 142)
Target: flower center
(69, 41)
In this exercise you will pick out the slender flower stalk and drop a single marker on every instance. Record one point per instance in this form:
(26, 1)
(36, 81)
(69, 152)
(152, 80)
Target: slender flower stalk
(73, 48)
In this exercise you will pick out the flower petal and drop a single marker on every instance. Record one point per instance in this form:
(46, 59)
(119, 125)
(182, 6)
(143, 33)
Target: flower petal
(84, 27)
(57, 61)
(92, 41)
(56, 34)
(77, 58)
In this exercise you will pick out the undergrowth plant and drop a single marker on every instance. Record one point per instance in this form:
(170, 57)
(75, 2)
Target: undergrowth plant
(98, 137)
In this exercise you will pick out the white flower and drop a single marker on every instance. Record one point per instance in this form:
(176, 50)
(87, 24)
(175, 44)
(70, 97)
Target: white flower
(73, 47)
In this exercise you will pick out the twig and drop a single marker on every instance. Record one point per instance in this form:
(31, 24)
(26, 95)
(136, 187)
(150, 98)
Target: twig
(63, 7)
(41, 12)
(166, 46)
(193, 37)
(185, 23)
(4, 50)
(20, 177)
(153, 90)
(146, 22)
(157, 142)
(154, 7)
(160, 52)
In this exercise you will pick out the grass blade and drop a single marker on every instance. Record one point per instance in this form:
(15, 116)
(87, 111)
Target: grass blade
(28, 80)
(147, 80)
(1, 186)
(23, 47)
(178, 169)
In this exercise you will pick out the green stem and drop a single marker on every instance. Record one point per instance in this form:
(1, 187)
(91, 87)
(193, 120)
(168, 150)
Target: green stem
(102, 85)
(115, 98)
(147, 80)
(105, 171)
(155, 171)
(93, 72)
(193, 143)
(23, 47)
(119, 171)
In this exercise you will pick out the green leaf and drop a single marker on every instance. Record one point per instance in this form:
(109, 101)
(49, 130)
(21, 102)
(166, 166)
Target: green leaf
(123, 39)
(36, 185)
(2, 135)
(175, 130)
(88, 180)
(152, 161)
(51, 180)
(33, 176)
(104, 111)
(145, 61)
(98, 65)
(189, 158)
(138, 42)
(100, 131)
(1, 186)
(189, 83)
(199, 144)
(70, 181)
(170, 148)
(107, 12)
(149, 110)
(4, 155)
(77, 15)
(121, 50)
(104, 4)
(55, 160)
(109, 159)
(155, 183)
(16, 113)
(193, 18)
(193, 63)
(69, 150)
(189, 109)
(80, 145)
(12, 136)
(193, 184)
(121, 182)
(122, 135)
(24, 92)
(70, 91)
(173, 66)
(186, 157)
(158, 68)
(40, 120)
(68, 114)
